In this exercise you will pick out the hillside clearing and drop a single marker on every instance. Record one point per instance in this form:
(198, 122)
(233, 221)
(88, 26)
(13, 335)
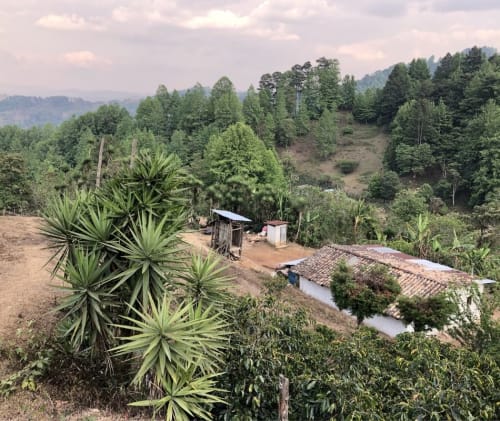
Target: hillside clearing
(27, 296)
(366, 145)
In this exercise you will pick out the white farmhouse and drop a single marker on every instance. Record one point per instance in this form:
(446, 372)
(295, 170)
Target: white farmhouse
(417, 277)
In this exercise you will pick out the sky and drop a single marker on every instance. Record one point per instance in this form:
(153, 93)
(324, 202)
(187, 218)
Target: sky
(57, 46)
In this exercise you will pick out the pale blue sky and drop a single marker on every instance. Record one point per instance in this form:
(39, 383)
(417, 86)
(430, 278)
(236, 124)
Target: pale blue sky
(134, 45)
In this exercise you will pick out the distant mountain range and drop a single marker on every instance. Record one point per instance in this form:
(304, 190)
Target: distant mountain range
(28, 111)
(377, 79)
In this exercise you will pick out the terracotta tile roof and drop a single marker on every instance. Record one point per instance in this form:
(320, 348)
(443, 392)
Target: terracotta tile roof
(275, 222)
(417, 277)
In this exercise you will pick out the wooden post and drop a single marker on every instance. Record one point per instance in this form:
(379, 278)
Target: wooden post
(284, 398)
(99, 164)
(133, 153)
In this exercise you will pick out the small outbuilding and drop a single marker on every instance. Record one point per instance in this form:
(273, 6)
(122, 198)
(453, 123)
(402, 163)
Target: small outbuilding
(227, 233)
(277, 232)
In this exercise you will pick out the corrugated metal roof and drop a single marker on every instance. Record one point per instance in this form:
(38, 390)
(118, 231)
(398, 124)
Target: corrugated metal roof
(292, 262)
(415, 279)
(485, 281)
(430, 265)
(231, 215)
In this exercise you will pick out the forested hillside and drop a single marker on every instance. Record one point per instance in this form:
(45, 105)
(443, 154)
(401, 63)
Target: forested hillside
(299, 132)
(414, 165)
(378, 78)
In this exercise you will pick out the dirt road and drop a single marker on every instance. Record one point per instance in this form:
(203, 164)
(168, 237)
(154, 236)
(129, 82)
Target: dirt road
(25, 285)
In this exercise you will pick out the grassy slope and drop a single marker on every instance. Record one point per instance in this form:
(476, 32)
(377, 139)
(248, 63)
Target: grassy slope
(366, 145)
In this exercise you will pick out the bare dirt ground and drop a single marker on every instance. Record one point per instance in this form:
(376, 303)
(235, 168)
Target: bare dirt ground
(366, 145)
(257, 264)
(27, 294)
(25, 285)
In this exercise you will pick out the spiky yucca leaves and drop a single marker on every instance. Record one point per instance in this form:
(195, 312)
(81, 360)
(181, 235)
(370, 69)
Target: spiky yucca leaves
(155, 185)
(170, 338)
(150, 254)
(94, 229)
(186, 397)
(204, 282)
(59, 224)
(88, 304)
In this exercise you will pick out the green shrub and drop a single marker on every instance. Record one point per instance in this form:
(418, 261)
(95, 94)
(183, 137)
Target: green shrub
(347, 167)
(347, 130)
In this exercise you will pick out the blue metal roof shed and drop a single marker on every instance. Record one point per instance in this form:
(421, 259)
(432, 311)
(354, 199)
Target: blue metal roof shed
(227, 233)
(231, 215)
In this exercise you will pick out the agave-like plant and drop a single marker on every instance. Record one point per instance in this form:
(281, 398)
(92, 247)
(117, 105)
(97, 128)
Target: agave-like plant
(94, 229)
(89, 304)
(60, 220)
(151, 256)
(169, 338)
(186, 397)
(204, 282)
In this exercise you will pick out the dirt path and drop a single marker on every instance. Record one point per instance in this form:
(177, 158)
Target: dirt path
(258, 261)
(25, 289)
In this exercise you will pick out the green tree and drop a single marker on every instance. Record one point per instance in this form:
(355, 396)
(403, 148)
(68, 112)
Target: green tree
(384, 186)
(407, 205)
(253, 112)
(326, 134)
(395, 93)
(348, 93)
(365, 106)
(238, 156)
(427, 313)
(15, 190)
(224, 104)
(365, 293)
(193, 110)
(328, 74)
(285, 126)
(150, 116)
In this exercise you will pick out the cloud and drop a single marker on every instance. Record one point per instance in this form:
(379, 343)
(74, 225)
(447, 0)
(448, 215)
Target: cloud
(218, 19)
(84, 59)
(291, 10)
(71, 22)
(361, 52)
(267, 19)
(465, 5)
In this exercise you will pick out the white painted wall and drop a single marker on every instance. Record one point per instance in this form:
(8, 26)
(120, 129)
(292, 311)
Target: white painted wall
(276, 235)
(322, 294)
(385, 324)
(272, 234)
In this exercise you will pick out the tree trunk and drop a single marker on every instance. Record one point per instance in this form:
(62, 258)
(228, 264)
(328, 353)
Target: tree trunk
(298, 227)
(133, 153)
(284, 398)
(99, 163)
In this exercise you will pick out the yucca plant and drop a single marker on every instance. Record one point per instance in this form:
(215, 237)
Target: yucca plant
(151, 254)
(204, 282)
(94, 228)
(187, 397)
(59, 224)
(168, 338)
(89, 304)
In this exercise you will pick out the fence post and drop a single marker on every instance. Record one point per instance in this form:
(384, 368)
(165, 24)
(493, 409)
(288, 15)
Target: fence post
(284, 398)
(133, 153)
(99, 164)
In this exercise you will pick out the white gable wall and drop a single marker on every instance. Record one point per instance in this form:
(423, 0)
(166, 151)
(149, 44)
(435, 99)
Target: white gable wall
(388, 325)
